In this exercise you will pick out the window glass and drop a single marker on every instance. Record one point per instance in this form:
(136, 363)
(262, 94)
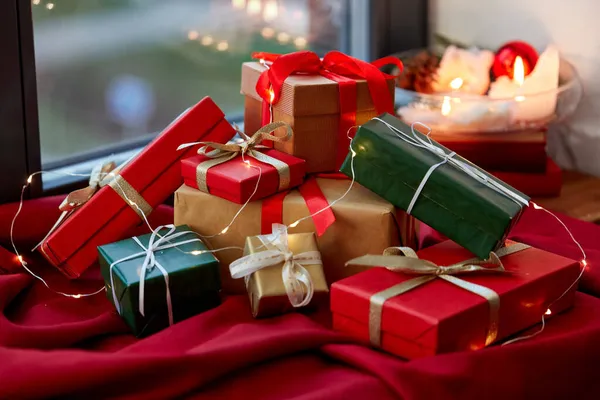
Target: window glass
(114, 72)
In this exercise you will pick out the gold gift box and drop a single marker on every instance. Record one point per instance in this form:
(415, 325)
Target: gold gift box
(365, 224)
(310, 104)
(265, 287)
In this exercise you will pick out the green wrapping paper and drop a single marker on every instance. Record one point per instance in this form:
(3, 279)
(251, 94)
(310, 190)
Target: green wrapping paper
(193, 281)
(458, 205)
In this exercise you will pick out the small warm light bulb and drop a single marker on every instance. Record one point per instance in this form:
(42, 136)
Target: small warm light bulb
(519, 71)
(193, 35)
(283, 37)
(239, 4)
(446, 107)
(548, 312)
(76, 296)
(456, 83)
(271, 10)
(300, 42)
(247, 162)
(132, 202)
(536, 206)
(35, 2)
(197, 252)
(222, 46)
(20, 258)
(267, 32)
(254, 7)
(225, 230)
(294, 224)
(29, 179)
(584, 263)
(207, 40)
(271, 93)
(50, 6)
(520, 98)
(353, 153)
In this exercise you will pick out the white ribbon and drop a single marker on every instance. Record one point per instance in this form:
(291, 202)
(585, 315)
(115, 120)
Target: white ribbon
(293, 273)
(464, 166)
(150, 262)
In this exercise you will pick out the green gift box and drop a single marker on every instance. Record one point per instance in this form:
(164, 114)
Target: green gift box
(178, 260)
(458, 199)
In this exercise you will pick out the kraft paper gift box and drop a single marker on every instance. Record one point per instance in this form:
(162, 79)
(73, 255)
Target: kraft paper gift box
(193, 280)
(266, 288)
(466, 312)
(311, 104)
(364, 223)
(458, 199)
(103, 215)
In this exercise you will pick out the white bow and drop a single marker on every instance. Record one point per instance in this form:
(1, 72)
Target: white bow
(293, 273)
(464, 166)
(150, 262)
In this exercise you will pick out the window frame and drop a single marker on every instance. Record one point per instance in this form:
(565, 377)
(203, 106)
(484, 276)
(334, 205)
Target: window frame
(390, 26)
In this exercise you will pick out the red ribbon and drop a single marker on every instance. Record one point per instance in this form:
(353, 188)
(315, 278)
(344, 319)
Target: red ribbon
(336, 66)
(272, 208)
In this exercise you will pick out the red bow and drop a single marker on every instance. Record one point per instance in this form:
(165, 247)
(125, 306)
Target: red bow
(334, 63)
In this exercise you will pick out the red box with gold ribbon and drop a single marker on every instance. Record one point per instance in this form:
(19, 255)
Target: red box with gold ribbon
(322, 99)
(118, 199)
(244, 169)
(443, 300)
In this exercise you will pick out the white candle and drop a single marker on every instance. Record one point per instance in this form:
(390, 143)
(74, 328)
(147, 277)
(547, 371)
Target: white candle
(535, 94)
(472, 66)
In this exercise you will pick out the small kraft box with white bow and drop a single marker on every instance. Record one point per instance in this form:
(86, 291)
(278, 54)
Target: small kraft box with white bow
(282, 272)
(158, 279)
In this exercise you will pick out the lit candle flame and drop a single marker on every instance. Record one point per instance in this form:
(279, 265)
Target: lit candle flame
(446, 107)
(519, 71)
(456, 83)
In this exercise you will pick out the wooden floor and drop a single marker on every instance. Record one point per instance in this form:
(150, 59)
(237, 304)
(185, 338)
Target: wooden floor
(580, 197)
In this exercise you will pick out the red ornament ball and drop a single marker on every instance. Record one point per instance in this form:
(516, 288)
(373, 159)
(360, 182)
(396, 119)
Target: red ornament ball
(506, 55)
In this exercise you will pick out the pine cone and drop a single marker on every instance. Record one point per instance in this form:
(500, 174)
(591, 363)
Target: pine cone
(419, 72)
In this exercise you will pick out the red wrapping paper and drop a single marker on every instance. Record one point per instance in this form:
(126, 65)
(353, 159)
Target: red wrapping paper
(543, 184)
(503, 151)
(235, 181)
(439, 317)
(154, 173)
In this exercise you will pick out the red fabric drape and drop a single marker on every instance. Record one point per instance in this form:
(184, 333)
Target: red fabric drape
(52, 346)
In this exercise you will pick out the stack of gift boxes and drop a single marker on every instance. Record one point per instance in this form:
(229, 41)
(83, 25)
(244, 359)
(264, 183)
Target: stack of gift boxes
(313, 204)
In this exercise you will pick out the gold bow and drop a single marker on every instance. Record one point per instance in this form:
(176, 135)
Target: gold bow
(101, 175)
(249, 146)
(405, 260)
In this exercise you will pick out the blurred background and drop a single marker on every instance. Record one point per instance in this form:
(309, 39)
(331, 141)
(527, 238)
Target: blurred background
(114, 72)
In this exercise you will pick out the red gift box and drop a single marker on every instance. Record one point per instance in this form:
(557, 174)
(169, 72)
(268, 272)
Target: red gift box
(154, 173)
(502, 151)
(544, 184)
(440, 317)
(235, 181)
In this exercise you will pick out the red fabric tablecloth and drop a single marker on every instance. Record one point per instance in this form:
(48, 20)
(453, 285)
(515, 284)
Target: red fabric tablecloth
(52, 346)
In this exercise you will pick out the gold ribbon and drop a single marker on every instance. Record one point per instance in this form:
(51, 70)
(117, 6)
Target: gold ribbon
(405, 260)
(102, 175)
(249, 146)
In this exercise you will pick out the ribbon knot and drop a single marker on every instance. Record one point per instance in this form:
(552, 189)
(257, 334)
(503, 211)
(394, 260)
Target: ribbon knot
(296, 279)
(219, 153)
(405, 260)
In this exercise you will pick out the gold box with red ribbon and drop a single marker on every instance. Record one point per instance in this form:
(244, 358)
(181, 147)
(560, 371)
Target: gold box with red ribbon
(320, 98)
(118, 199)
(244, 169)
(442, 299)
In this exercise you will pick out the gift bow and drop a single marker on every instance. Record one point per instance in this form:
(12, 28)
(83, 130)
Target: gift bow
(296, 279)
(105, 174)
(405, 260)
(150, 262)
(335, 63)
(249, 146)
